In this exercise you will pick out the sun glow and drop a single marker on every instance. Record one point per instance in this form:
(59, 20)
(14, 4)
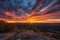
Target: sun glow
(34, 21)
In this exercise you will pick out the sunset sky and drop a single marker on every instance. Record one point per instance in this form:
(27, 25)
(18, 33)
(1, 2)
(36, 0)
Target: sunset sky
(29, 10)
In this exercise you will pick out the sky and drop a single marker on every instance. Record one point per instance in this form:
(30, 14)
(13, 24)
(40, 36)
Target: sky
(26, 9)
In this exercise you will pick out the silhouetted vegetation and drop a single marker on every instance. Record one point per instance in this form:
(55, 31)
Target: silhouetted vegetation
(6, 27)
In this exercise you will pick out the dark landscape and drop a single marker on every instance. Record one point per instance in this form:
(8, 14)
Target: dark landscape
(27, 31)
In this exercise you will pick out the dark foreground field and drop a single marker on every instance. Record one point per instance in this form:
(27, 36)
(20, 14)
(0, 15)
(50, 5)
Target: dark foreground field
(27, 31)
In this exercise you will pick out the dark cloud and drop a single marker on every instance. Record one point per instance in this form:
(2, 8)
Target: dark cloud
(22, 7)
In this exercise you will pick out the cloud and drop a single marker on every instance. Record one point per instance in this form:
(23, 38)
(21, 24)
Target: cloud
(20, 9)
